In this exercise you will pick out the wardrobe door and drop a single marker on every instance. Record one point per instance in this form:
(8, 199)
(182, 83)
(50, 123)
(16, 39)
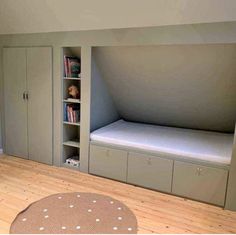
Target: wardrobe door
(15, 107)
(39, 80)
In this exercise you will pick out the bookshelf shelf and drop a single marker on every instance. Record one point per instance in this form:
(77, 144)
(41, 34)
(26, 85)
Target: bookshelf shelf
(71, 105)
(72, 144)
(72, 123)
(70, 167)
(72, 101)
(74, 79)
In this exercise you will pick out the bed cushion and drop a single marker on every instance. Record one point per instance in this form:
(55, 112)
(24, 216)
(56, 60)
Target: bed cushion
(206, 146)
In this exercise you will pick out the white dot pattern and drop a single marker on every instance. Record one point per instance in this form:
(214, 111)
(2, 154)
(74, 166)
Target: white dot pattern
(104, 215)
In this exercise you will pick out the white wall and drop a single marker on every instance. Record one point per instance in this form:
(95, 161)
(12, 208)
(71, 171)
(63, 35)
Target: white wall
(30, 16)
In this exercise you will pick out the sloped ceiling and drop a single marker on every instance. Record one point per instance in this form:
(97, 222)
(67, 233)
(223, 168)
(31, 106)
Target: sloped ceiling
(32, 16)
(191, 86)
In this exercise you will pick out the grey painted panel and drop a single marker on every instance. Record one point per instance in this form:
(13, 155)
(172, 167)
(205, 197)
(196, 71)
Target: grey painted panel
(103, 110)
(85, 107)
(162, 155)
(150, 171)
(0, 132)
(191, 86)
(14, 64)
(199, 182)
(57, 107)
(107, 162)
(39, 80)
(231, 190)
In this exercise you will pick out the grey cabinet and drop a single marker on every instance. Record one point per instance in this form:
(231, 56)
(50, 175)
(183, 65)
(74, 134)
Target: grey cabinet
(28, 102)
(108, 162)
(15, 107)
(195, 181)
(150, 171)
(199, 182)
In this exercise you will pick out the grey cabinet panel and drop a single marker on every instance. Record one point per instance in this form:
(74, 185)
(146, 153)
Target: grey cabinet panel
(200, 182)
(39, 80)
(107, 162)
(15, 107)
(150, 171)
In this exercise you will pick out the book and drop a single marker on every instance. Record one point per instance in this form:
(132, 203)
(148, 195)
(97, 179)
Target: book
(65, 113)
(65, 67)
(74, 67)
(71, 113)
(71, 66)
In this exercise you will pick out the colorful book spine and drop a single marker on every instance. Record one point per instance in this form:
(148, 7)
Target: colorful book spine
(68, 113)
(71, 66)
(65, 113)
(71, 113)
(65, 67)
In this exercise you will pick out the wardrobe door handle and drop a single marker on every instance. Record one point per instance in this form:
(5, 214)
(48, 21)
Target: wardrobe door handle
(200, 171)
(27, 96)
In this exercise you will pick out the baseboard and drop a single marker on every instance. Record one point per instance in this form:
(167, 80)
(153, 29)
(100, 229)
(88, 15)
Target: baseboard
(1, 151)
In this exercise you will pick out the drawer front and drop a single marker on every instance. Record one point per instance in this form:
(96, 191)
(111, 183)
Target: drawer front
(202, 183)
(108, 162)
(150, 171)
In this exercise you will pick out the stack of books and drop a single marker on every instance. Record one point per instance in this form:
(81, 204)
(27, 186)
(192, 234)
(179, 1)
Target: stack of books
(71, 66)
(71, 113)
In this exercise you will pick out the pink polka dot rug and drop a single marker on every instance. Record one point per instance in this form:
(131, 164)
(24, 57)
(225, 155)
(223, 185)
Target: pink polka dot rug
(75, 213)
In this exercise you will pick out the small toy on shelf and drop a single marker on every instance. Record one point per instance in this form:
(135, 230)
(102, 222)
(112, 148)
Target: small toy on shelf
(73, 92)
(73, 161)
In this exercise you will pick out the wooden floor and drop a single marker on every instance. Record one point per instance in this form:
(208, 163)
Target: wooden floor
(23, 182)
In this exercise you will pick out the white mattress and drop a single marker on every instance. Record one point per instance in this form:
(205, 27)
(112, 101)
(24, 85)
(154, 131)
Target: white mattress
(201, 145)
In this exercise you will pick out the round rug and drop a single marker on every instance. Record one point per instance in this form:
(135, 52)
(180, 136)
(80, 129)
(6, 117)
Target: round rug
(75, 213)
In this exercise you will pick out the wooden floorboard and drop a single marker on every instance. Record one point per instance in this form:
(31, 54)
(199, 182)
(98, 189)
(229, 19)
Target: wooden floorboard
(23, 182)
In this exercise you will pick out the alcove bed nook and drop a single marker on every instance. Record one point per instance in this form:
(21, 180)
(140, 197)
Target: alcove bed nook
(163, 117)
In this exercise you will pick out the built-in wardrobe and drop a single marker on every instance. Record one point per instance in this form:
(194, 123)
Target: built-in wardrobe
(27, 86)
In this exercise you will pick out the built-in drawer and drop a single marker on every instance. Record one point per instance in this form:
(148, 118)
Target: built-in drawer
(199, 182)
(108, 162)
(150, 171)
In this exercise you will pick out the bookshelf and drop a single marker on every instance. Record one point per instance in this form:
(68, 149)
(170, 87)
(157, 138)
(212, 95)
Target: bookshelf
(71, 106)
